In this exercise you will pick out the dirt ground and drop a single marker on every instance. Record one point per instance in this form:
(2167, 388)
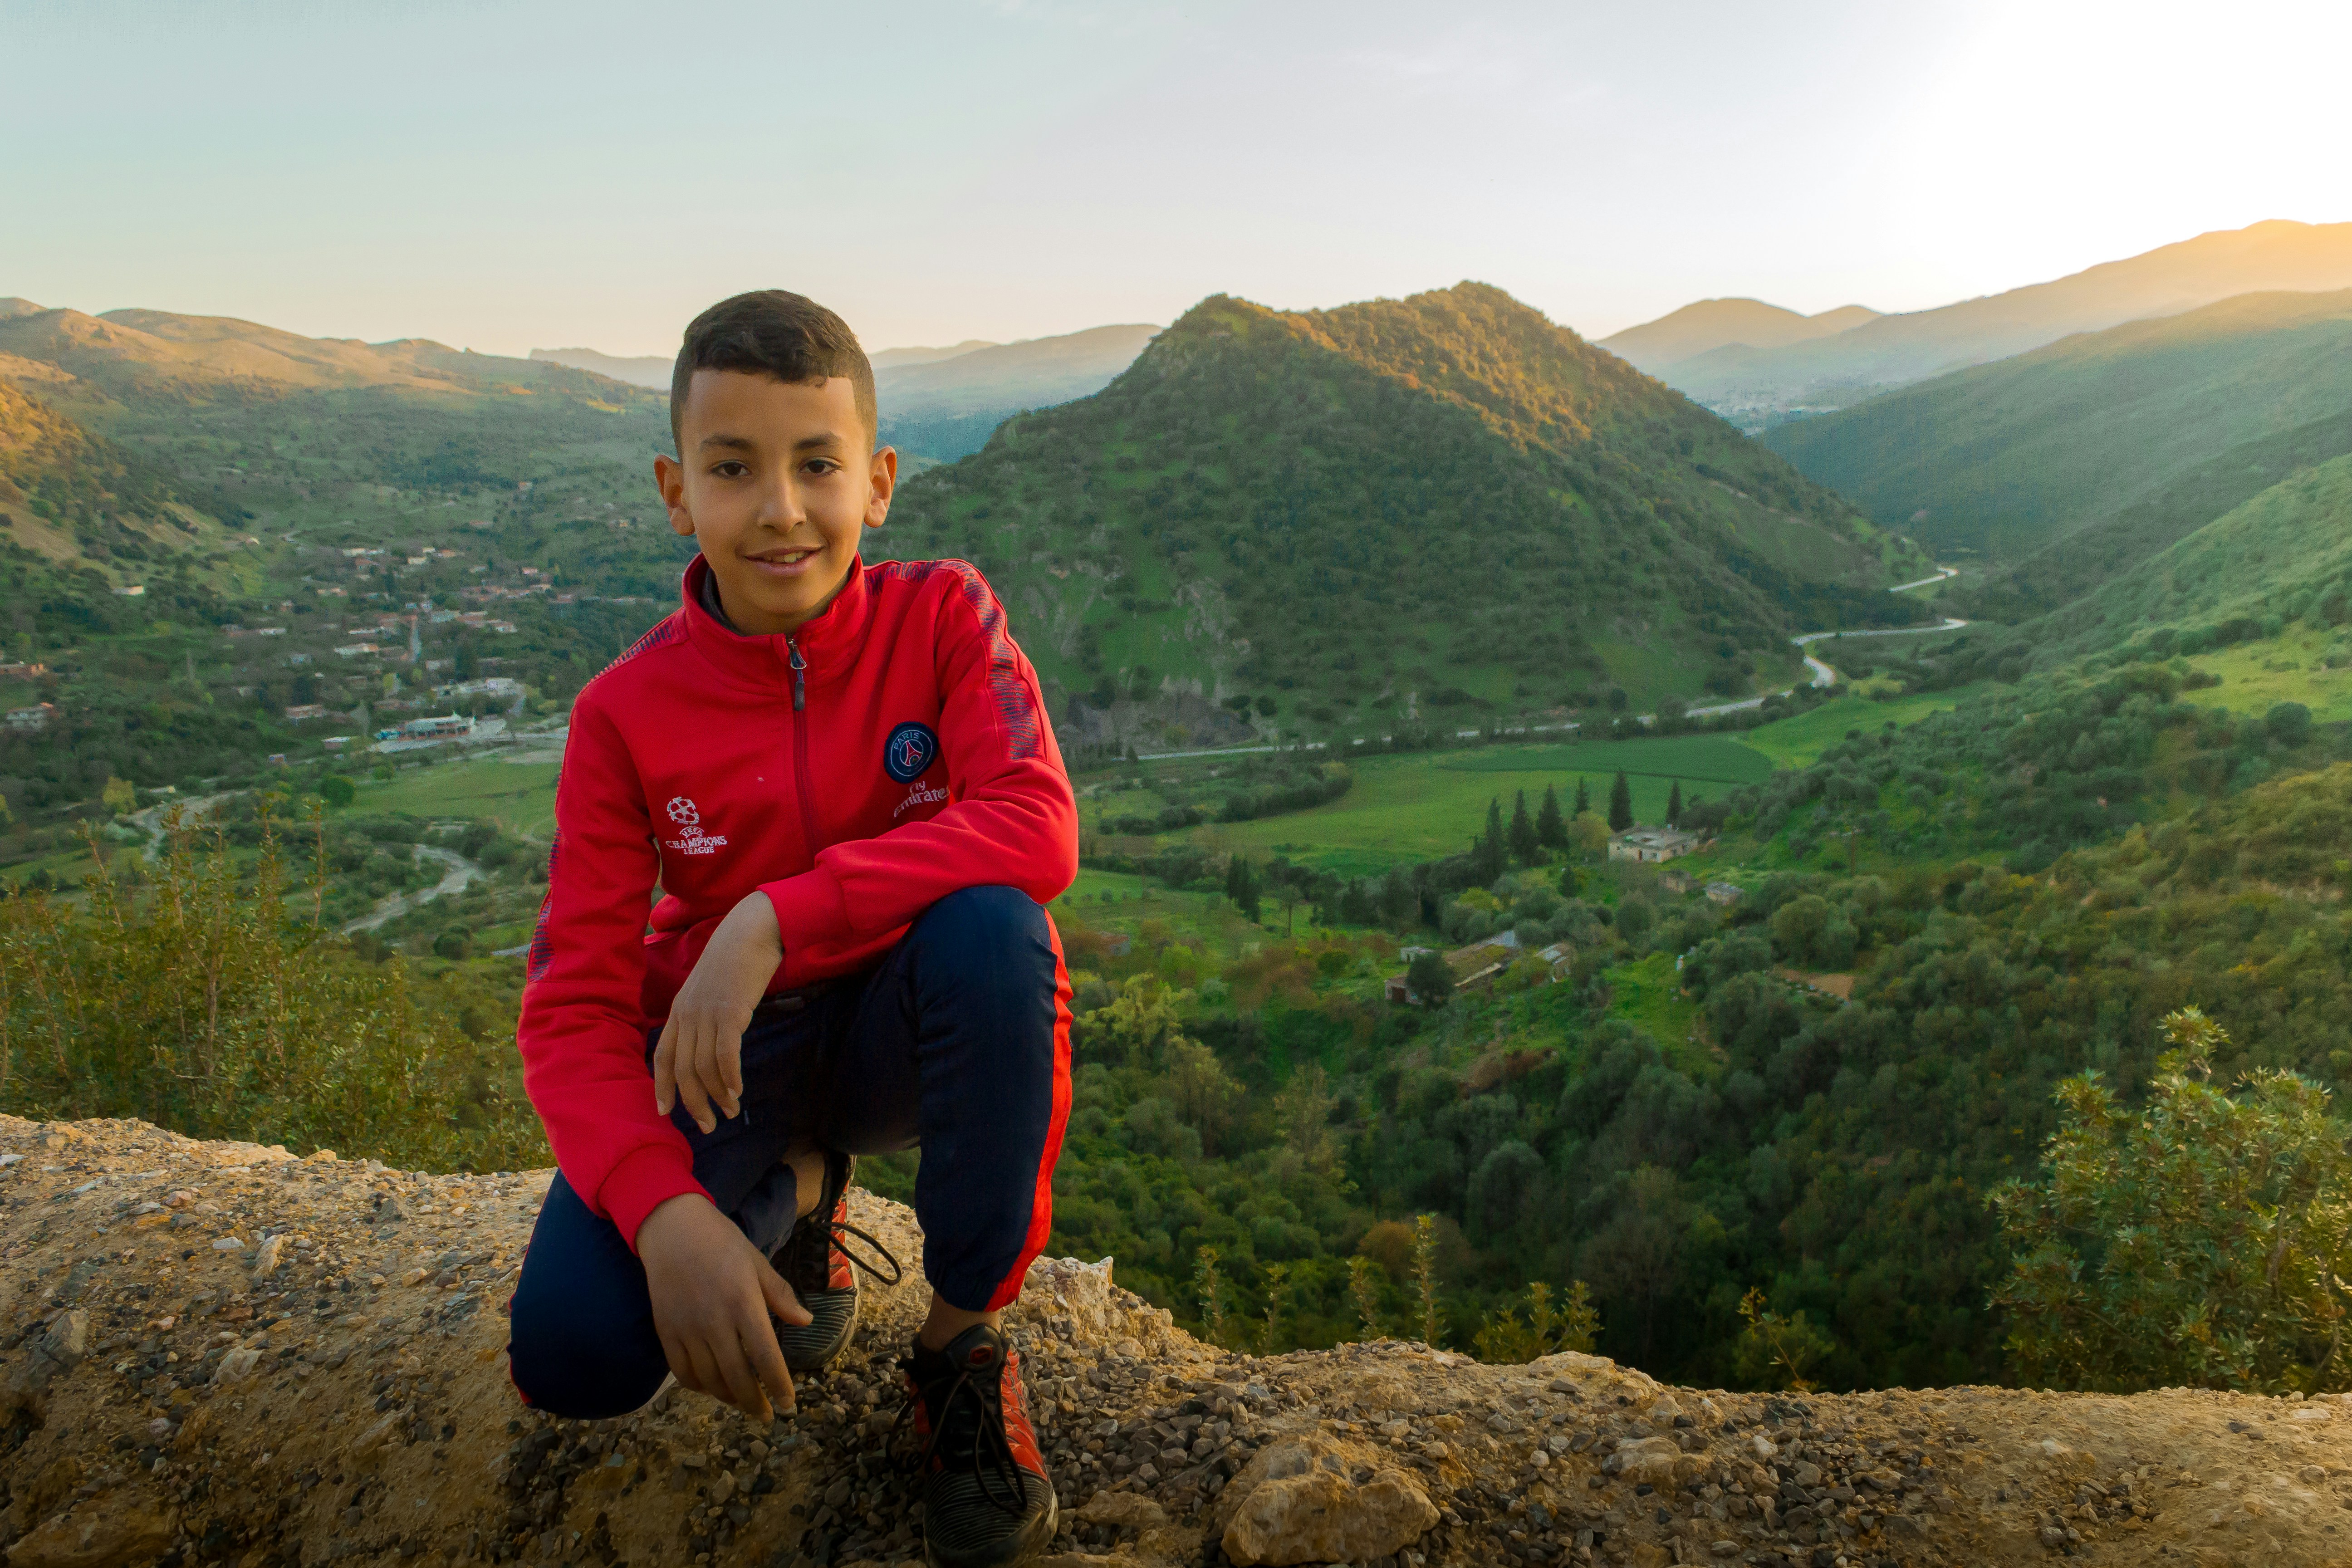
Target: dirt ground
(215, 1353)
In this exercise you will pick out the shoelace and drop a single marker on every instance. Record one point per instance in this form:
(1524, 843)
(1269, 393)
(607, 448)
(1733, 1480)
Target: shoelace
(840, 1230)
(989, 1439)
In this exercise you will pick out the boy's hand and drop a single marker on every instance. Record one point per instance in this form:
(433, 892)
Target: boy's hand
(712, 1294)
(699, 1057)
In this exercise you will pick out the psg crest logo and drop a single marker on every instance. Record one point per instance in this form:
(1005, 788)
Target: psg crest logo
(911, 749)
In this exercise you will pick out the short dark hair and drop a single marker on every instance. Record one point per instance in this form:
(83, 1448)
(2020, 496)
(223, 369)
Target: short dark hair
(771, 333)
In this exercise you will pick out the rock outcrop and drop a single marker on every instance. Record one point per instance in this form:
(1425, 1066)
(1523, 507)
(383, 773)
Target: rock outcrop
(218, 1353)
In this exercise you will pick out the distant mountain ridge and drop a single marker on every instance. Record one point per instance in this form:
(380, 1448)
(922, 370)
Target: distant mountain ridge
(1404, 511)
(946, 407)
(134, 352)
(2016, 455)
(1755, 385)
(1710, 324)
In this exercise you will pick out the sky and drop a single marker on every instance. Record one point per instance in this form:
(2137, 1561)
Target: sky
(505, 174)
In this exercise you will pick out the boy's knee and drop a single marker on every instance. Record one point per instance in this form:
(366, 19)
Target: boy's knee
(985, 927)
(564, 1361)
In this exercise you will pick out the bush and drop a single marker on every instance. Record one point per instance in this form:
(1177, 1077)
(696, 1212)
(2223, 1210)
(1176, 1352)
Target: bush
(197, 1002)
(2198, 1242)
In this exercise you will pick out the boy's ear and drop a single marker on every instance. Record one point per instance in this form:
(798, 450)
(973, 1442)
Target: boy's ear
(670, 477)
(881, 484)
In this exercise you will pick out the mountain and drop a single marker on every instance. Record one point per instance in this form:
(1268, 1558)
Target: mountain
(1438, 510)
(2286, 552)
(1761, 385)
(66, 495)
(2007, 458)
(644, 370)
(2057, 574)
(1724, 323)
(893, 359)
(945, 407)
(133, 353)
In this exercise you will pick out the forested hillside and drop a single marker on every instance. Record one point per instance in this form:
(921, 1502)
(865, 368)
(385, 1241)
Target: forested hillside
(2008, 458)
(2283, 555)
(1362, 516)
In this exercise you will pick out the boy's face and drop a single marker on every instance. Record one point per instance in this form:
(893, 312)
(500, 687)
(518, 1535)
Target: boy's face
(775, 481)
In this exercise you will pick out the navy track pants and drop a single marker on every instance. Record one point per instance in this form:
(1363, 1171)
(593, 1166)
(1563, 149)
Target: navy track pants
(958, 1041)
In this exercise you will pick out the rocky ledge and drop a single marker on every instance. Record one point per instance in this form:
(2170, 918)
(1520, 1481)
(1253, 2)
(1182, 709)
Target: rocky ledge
(219, 1353)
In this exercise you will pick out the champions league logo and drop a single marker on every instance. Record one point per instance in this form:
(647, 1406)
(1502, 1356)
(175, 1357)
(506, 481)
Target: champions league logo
(911, 749)
(688, 818)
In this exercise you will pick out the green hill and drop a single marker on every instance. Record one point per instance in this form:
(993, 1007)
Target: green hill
(1440, 510)
(2285, 554)
(2057, 574)
(68, 496)
(2008, 458)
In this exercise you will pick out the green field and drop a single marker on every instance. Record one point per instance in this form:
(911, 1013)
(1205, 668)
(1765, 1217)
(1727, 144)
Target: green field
(1799, 741)
(1404, 809)
(519, 796)
(2286, 668)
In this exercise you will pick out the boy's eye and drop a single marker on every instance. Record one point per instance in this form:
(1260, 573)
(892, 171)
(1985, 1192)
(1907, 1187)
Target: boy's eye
(729, 470)
(823, 466)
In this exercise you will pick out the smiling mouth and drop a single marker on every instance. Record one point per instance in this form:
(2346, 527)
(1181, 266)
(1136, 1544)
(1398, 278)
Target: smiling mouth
(783, 561)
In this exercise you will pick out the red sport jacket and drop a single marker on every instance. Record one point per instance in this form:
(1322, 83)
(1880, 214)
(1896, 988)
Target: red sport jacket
(891, 752)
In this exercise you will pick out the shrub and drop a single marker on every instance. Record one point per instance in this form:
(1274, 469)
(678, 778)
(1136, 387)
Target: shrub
(198, 1002)
(2198, 1241)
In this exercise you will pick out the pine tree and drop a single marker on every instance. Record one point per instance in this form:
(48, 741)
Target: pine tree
(1552, 828)
(1674, 803)
(1241, 886)
(1523, 844)
(1620, 804)
(1583, 798)
(1487, 852)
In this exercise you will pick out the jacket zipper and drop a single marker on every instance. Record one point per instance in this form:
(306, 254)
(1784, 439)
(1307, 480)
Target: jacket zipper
(800, 747)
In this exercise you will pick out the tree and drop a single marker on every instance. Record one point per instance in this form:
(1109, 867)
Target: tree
(1583, 798)
(1522, 840)
(119, 795)
(337, 790)
(1242, 887)
(1487, 851)
(1429, 979)
(1589, 835)
(1203, 1095)
(1674, 803)
(2200, 1241)
(1551, 827)
(1620, 804)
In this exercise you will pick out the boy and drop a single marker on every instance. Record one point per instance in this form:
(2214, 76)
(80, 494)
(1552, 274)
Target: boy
(843, 779)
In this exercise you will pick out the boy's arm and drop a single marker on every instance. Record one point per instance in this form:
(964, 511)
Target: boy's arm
(1012, 823)
(582, 1028)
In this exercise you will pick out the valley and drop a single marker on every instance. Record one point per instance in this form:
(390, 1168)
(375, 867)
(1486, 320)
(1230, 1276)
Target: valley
(1986, 722)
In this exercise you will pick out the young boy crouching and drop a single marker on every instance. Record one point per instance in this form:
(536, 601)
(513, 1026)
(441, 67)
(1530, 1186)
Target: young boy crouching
(842, 780)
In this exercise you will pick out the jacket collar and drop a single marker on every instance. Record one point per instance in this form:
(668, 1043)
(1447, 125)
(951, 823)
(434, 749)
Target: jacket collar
(828, 645)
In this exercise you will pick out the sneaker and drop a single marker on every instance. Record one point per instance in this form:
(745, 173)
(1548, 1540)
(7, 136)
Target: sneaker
(987, 1501)
(822, 1275)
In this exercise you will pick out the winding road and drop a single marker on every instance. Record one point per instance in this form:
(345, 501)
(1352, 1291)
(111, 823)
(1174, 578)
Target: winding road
(461, 874)
(1823, 674)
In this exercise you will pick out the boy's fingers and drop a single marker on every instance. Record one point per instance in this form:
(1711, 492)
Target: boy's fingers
(690, 1081)
(781, 1300)
(706, 1379)
(665, 1069)
(768, 1362)
(742, 1385)
(681, 1364)
(730, 1069)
